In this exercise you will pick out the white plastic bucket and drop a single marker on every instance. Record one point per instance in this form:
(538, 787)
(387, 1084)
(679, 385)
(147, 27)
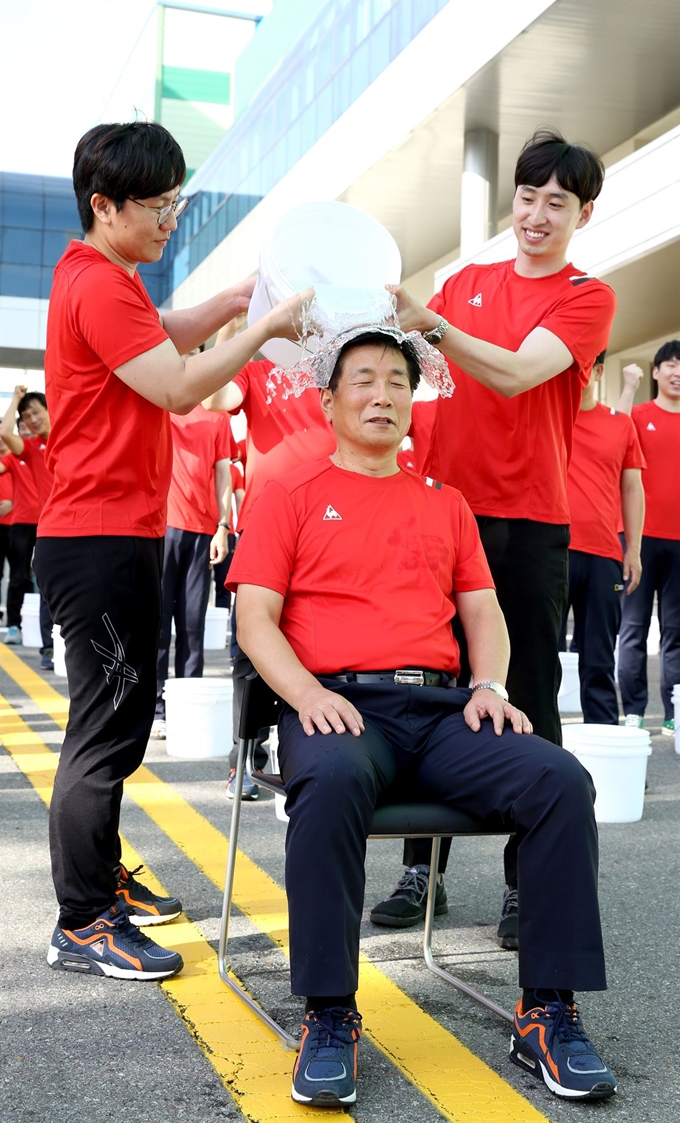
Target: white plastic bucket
(676, 707)
(616, 758)
(215, 632)
(279, 800)
(59, 657)
(30, 621)
(325, 243)
(198, 717)
(569, 697)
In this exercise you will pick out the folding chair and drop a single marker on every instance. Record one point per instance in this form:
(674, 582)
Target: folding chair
(396, 820)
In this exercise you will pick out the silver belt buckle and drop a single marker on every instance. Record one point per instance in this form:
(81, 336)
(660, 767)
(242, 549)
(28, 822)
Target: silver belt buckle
(410, 678)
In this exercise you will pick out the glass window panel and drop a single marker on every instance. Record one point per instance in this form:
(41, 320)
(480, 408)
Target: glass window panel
(54, 244)
(343, 39)
(324, 62)
(380, 49)
(61, 213)
(46, 278)
(324, 110)
(22, 247)
(20, 280)
(293, 144)
(341, 91)
(359, 71)
(308, 126)
(362, 19)
(23, 210)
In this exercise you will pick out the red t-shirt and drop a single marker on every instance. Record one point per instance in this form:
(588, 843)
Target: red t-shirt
(282, 433)
(659, 433)
(369, 567)
(199, 440)
(6, 492)
(605, 444)
(25, 495)
(236, 485)
(423, 416)
(34, 454)
(509, 456)
(109, 448)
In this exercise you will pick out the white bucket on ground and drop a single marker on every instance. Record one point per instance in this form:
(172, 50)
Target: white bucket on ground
(616, 758)
(279, 800)
(676, 707)
(198, 717)
(215, 633)
(30, 621)
(324, 243)
(569, 697)
(59, 657)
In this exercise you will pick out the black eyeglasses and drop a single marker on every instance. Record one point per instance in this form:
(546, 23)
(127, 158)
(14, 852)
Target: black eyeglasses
(163, 213)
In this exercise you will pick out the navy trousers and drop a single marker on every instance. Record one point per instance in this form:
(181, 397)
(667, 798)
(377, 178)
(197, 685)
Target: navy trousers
(660, 575)
(185, 589)
(417, 738)
(595, 587)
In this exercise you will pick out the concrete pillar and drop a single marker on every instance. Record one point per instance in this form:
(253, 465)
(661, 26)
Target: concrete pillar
(479, 190)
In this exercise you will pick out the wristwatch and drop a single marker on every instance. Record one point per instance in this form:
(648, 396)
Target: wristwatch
(497, 688)
(225, 525)
(436, 335)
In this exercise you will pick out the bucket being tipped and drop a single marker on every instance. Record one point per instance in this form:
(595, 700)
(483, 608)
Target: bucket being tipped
(616, 759)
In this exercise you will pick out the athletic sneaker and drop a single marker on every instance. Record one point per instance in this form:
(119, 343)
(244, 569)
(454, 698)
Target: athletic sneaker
(507, 935)
(668, 728)
(111, 946)
(142, 906)
(249, 790)
(158, 729)
(325, 1072)
(551, 1043)
(13, 637)
(634, 721)
(408, 903)
(47, 660)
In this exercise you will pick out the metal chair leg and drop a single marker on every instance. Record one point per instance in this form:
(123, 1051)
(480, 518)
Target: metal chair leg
(287, 1041)
(427, 944)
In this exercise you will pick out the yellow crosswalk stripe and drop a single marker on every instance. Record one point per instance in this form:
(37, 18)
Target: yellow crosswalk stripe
(459, 1084)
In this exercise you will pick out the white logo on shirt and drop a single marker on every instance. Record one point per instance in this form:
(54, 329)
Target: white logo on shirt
(652, 426)
(331, 515)
(476, 300)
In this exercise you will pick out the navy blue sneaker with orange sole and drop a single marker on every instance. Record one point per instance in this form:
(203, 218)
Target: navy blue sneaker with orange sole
(142, 906)
(552, 1044)
(325, 1072)
(111, 946)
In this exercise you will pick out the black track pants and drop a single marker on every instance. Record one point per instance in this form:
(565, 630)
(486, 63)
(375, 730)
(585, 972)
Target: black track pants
(660, 575)
(185, 591)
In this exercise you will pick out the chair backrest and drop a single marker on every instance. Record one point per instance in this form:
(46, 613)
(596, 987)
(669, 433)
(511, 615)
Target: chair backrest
(260, 707)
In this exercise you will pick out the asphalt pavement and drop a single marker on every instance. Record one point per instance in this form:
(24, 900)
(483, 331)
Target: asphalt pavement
(92, 1050)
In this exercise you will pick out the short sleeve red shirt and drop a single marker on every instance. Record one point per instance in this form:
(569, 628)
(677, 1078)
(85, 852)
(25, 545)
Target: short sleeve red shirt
(659, 433)
(25, 507)
(509, 456)
(199, 440)
(34, 454)
(369, 567)
(6, 492)
(282, 432)
(605, 444)
(109, 449)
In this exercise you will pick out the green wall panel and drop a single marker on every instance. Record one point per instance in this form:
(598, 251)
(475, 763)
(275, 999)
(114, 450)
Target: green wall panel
(183, 84)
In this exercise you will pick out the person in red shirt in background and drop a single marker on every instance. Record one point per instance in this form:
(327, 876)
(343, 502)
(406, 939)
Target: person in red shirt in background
(282, 433)
(199, 509)
(348, 570)
(221, 569)
(520, 338)
(658, 427)
(22, 533)
(30, 407)
(6, 505)
(603, 480)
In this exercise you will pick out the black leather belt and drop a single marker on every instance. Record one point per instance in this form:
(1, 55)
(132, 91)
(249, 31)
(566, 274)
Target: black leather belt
(406, 677)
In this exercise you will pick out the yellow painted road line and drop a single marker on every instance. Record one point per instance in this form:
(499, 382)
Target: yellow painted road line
(241, 1049)
(457, 1082)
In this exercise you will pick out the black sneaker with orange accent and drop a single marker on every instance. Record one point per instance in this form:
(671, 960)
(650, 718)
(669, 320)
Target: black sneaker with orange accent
(551, 1043)
(142, 906)
(111, 946)
(325, 1072)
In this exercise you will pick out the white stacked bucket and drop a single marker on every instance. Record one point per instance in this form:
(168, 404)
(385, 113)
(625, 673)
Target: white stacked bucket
(616, 758)
(30, 621)
(569, 697)
(325, 243)
(59, 647)
(676, 707)
(215, 632)
(198, 717)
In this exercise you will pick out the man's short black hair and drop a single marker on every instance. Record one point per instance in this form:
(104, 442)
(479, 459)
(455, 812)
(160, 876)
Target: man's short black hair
(667, 351)
(387, 342)
(600, 358)
(137, 160)
(576, 169)
(31, 396)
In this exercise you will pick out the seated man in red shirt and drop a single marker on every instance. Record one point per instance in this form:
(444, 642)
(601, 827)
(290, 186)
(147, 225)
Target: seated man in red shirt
(329, 551)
